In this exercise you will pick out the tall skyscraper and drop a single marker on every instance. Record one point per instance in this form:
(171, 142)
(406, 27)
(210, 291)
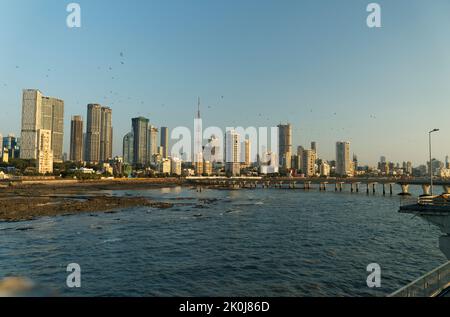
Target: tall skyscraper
(128, 144)
(165, 141)
(76, 139)
(99, 134)
(31, 123)
(45, 153)
(198, 141)
(232, 153)
(140, 133)
(93, 127)
(343, 161)
(152, 143)
(40, 112)
(53, 120)
(106, 135)
(248, 153)
(285, 145)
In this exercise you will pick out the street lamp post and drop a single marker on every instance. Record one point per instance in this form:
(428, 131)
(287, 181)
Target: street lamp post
(431, 163)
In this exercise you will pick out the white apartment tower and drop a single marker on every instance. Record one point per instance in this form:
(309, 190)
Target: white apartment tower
(343, 161)
(40, 112)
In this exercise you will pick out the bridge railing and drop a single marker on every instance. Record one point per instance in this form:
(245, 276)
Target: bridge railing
(429, 285)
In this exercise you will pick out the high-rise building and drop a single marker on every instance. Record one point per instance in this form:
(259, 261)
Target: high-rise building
(343, 161)
(106, 134)
(232, 153)
(152, 143)
(99, 134)
(285, 145)
(40, 112)
(165, 141)
(93, 127)
(45, 153)
(140, 133)
(309, 163)
(31, 123)
(128, 144)
(247, 152)
(76, 139)
(53, 120)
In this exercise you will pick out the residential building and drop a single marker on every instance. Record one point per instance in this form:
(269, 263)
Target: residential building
(76, 139)
(45, 152)
(140, 132)
(165, 142)
(106, 134)
(93, 132)
(309, 163)
(40, 112)
(232, 153)
(343, 161)
(128, 145)
(285, 145)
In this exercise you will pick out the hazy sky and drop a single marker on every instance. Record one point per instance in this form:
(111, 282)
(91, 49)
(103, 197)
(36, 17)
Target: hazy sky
(313, 63)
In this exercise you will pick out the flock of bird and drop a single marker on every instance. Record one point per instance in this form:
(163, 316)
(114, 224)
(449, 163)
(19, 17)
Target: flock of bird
(115, 96)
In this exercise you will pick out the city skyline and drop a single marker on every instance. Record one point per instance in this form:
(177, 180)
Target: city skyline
(359, 88)
(99, 123)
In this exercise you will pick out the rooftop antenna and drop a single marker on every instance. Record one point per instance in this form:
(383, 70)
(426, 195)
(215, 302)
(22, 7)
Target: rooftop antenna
(198, 113)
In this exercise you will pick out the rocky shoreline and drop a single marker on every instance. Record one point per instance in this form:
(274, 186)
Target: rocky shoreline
(27, 202)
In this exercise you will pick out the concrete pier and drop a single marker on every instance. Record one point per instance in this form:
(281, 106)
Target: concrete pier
(405, 190)
(446, 189)
(426, 188)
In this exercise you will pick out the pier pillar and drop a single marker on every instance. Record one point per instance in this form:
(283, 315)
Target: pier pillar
(426, 188)
(384, 189)
(351, 188)
(405, 190)
(357, 187)
(374, 188)
(368, 186)
(335, 187)
(446, 189)
(391, 189)
(340, 186)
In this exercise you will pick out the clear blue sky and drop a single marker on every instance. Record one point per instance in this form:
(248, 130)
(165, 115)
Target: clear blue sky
(313, 63)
